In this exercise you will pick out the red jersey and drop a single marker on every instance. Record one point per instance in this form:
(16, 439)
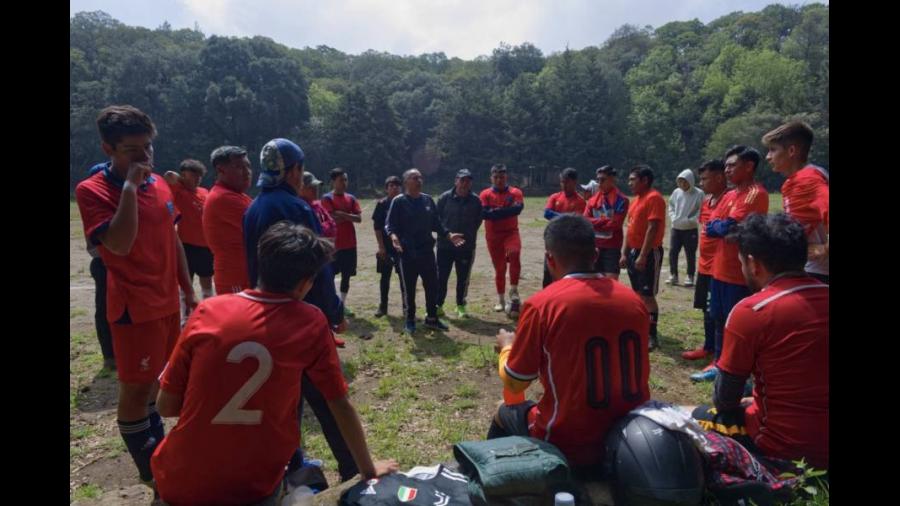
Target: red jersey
(643, 208)
(190, 203)
(238, 364)
(708, 245)
(346, 232)
(737, 205)
(561, 203)
(145, 281)
(607, 212)
(329, 227)
(223, 226)
(780, 336)
(805, 196)
(573, 334)
(492, 198)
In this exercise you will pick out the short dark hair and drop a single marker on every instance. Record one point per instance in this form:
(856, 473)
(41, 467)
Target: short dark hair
(408, 172)
(569, 173)
(192, 165)
(224, 154)
(393, 179)
(117, 121)
(643, 172)
(288, 254)
(500, 167)
(745, 154)
(571, 239)
(712, 165)
(775, 240)
(791, 133)
(337, 172)
(607, 170)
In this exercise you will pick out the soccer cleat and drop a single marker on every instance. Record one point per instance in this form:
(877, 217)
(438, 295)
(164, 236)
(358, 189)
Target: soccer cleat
(435, 323)
(339, 342)
(348, 313)
(707, 375)
(499, 307)
(673, 280)
(440, 312)
(409, 328)
(461, 311)
(710, 366)
(697, 354)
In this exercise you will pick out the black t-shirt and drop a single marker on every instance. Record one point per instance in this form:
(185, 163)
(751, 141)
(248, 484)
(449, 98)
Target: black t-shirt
(422, 486)
(379, 216)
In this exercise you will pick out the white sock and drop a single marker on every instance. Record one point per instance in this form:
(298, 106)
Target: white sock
(502, 299)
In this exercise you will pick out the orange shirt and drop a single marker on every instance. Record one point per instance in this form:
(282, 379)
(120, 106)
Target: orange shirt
(708, 245)
(560, 203)
(642, 209)
(737, 205)
(190, 203)
(223, 227)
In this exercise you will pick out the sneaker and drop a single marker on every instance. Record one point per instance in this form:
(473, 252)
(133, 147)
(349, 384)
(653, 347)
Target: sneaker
(513, 310)
(410, 328)
(440, 312)
(109, 364)
(435, 323)
(339, 342)
(710, 366)
(382, 311)
(461, 311)
(654, 343)
(697, 354)
(348, 313)
(689, 282)
(706, 375)
(673, 280)
(499, 307)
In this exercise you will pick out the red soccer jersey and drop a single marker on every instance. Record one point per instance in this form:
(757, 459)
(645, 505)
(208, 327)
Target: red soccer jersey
(572, 335)
(805, 196)
(145, 281)
(560, 203)
(607, 212)
(492, 198)
(190, 203)
(643, 208)
(737, 205)
(329, 227)
(238, 364)
(223, 226)
(780, 336)
(346, 232)
(707, 244)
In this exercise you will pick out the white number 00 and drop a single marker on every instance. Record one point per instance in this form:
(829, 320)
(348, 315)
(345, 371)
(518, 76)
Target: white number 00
(232, 413)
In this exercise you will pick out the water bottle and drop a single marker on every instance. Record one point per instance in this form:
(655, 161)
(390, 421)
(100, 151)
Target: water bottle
(564, 499)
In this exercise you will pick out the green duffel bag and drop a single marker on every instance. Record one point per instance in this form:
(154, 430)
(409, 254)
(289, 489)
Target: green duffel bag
(513, 470)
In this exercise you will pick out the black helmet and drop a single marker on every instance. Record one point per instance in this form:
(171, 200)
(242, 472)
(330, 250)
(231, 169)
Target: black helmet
(651, 465)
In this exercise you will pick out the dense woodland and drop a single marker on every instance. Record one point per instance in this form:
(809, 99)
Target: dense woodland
(670, 96)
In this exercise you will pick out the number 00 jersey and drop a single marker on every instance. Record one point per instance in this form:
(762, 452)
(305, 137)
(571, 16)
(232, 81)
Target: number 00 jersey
(585, 337)
(238, 365)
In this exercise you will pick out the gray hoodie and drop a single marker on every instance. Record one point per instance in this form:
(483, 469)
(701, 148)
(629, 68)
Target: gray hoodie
(684, 206)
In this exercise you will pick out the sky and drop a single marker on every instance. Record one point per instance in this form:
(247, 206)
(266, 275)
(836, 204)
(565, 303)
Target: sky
(458, 28)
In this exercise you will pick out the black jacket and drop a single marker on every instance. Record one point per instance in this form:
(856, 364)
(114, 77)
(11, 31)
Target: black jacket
(414, 220)
(459, 214)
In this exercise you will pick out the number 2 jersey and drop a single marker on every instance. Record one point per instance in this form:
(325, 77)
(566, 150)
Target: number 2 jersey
(422, 486)
(585, 337)
(238, 365)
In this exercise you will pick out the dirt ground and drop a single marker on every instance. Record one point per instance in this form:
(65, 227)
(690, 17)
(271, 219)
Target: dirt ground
(417, 396)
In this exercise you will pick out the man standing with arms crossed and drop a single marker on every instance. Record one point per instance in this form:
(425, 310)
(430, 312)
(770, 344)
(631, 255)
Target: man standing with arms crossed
(606, 211)
(501, 206)
(565, 201)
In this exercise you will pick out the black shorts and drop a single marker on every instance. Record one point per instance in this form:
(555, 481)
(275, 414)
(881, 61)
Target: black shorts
(514, 419)
(608, 260)
(701, 291)
(646, 282)
(199, 260)
(384, 266)
(344, 262)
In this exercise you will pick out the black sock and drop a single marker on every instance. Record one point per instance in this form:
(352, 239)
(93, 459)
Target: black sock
(654, 317)
(140, 442)
(157, 426)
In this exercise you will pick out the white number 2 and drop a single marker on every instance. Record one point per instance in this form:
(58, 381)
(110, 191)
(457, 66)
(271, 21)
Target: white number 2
(232, 413)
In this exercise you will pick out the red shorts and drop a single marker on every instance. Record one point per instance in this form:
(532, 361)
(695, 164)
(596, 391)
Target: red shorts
(142, 349)
(509, 242)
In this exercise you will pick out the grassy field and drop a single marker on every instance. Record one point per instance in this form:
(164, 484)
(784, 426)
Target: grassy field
(416, 395)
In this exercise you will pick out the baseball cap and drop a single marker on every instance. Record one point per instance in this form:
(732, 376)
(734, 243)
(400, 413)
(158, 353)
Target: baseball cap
(224, 153)
(275, 158)
(464, 173)
(309, 179)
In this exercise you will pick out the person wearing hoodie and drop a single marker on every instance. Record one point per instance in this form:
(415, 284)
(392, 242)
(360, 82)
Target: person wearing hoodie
(684, 209)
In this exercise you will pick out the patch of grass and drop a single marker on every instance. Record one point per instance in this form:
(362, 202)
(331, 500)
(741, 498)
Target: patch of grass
(74, 313)
(386, 387)
(657, 384)
(467, 391)
(81, 432)
(87, 491)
